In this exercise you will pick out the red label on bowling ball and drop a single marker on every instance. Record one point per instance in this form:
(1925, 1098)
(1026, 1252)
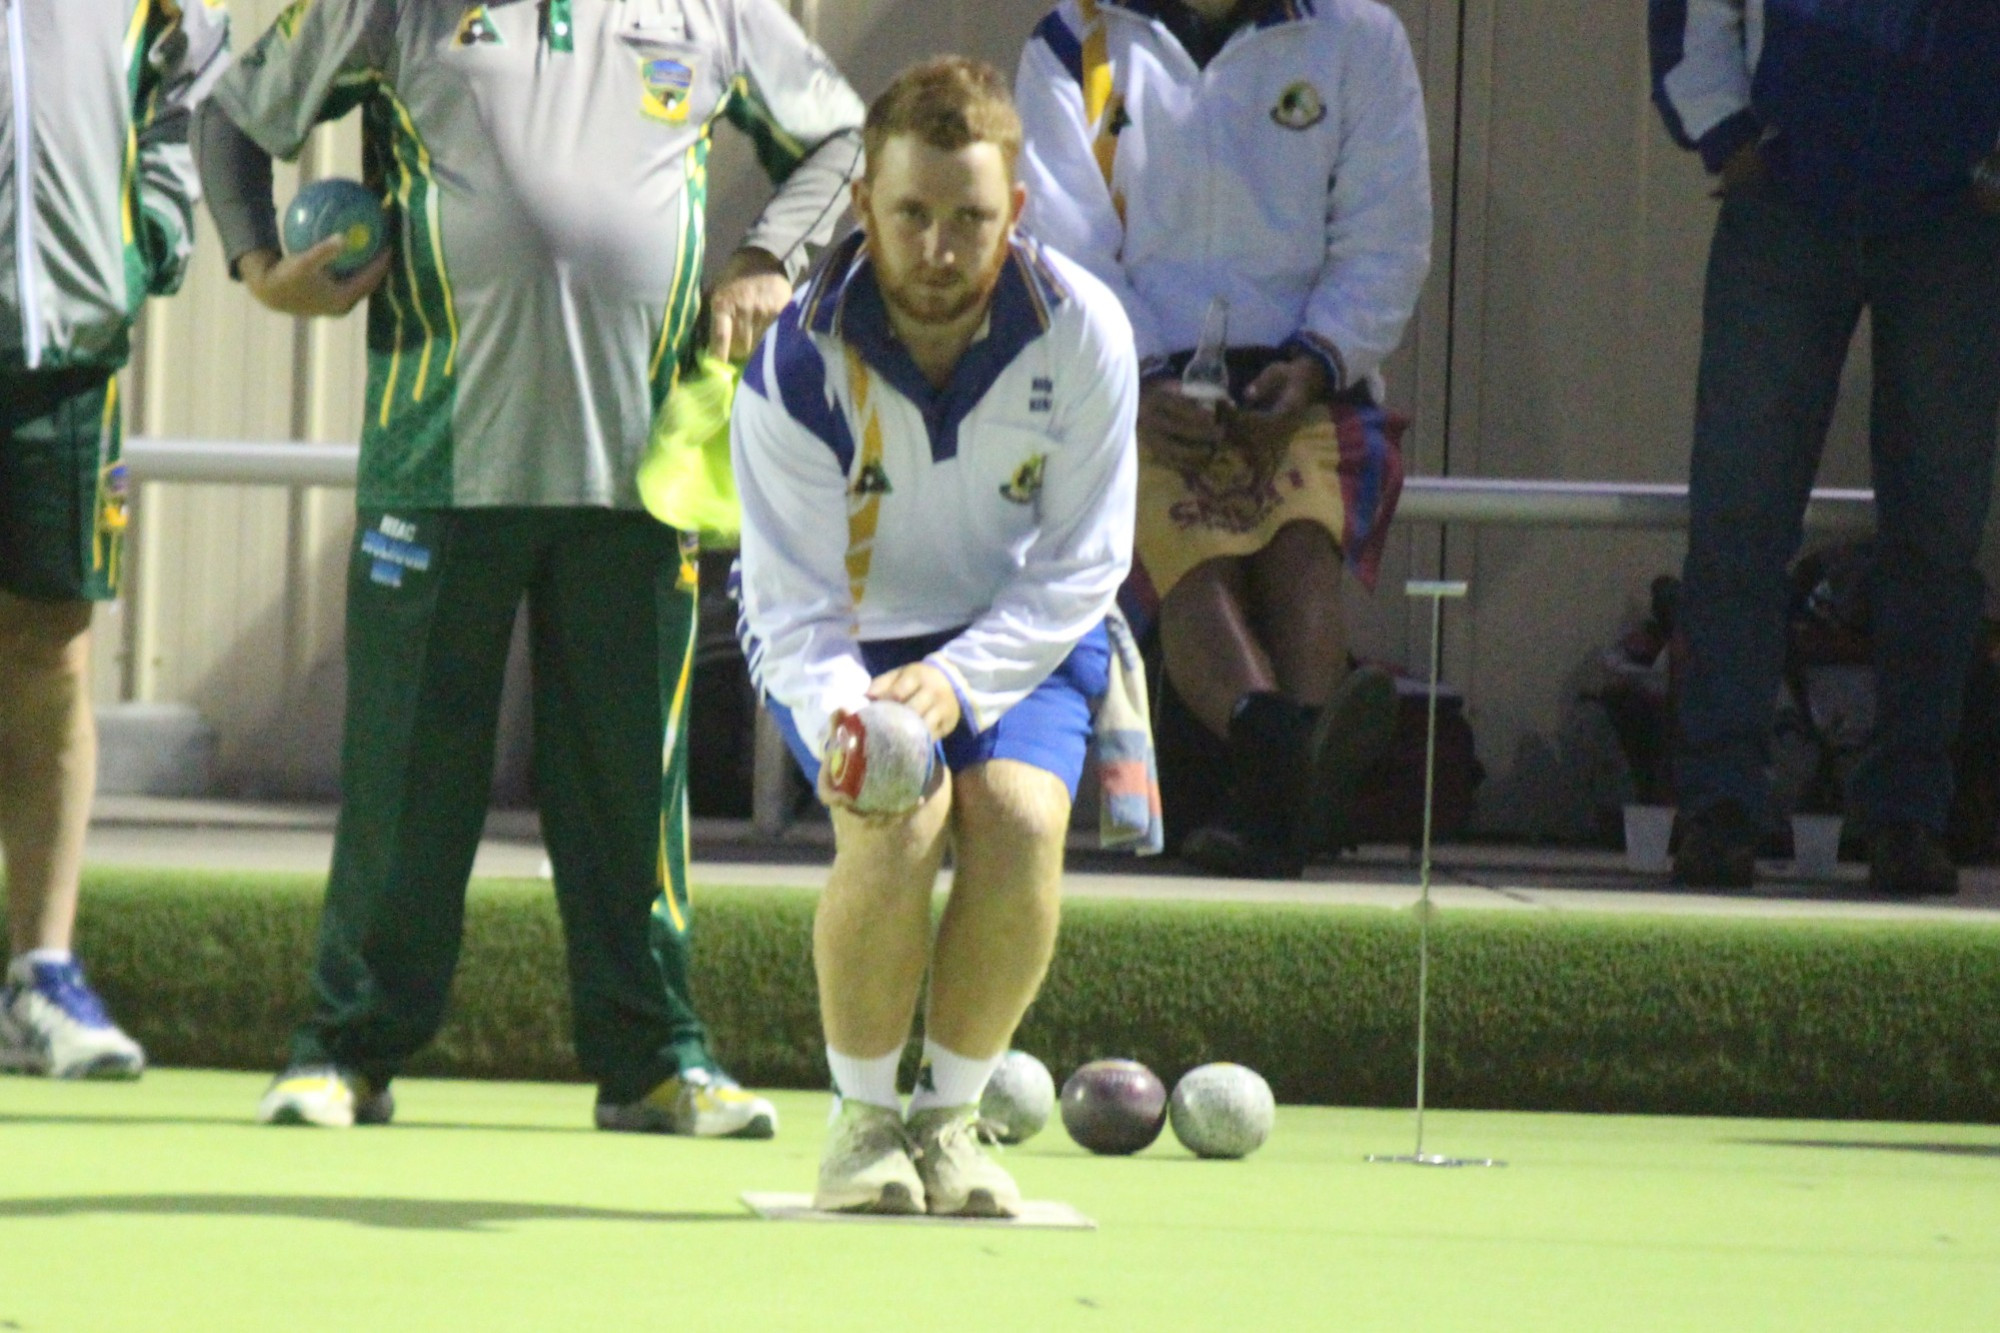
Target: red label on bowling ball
(847, 755)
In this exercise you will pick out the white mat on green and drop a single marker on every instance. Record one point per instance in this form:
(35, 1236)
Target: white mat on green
(1047, 1214)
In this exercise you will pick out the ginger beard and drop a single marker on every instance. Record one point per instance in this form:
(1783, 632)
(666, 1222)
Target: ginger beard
(938, 225)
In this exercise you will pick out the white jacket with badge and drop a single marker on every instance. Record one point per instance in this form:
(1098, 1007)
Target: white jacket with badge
(877, 507)
(1291, 176)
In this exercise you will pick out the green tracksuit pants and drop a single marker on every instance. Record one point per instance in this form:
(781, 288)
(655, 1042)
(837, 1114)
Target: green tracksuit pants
(431, 603)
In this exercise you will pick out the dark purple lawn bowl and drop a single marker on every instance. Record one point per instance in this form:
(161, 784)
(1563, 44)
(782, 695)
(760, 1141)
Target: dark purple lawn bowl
(1114, 1107)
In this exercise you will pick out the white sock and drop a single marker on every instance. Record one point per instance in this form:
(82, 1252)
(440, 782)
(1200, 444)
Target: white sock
(950, 1079)
(22, 968)
(872, 1081)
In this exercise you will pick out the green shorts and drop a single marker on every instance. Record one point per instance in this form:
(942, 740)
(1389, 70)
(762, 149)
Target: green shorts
(62, 486)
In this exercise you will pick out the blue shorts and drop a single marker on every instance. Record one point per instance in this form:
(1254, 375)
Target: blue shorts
(1049, 729)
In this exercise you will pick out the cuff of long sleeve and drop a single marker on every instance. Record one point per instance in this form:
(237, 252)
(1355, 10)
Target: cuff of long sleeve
(1725, 140)
(262, 238)
(967, 718)
(793, 253)
(1308, 343)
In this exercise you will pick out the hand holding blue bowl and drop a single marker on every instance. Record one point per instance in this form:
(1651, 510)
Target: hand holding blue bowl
(342, 208)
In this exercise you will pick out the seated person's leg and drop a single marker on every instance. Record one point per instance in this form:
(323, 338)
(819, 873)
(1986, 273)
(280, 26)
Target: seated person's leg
(1295, 592)
(1214, 656)
(1217, 662)
(1295, 610)
(1261, 641)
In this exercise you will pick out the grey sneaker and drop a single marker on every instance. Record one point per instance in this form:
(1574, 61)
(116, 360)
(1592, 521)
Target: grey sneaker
(698, 1103)
(327, 1096)
(867, 1167)
(961, 1177)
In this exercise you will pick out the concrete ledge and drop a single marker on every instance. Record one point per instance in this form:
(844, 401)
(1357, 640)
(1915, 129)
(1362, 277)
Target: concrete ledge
(155, 750)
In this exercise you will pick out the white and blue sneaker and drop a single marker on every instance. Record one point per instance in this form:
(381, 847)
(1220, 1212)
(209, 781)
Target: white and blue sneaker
(53, 1023)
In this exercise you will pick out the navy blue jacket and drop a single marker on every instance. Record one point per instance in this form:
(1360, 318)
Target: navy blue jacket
(1872, 112)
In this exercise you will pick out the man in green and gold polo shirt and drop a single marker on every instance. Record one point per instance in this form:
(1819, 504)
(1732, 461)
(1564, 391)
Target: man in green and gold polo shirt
(544, 170)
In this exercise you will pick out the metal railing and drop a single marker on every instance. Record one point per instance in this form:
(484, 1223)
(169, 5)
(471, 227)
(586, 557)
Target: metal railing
(1482, 501)
(1478, 500)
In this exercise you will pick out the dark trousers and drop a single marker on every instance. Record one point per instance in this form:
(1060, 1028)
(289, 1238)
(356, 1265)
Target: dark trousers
(430, 611)
(1785, 293)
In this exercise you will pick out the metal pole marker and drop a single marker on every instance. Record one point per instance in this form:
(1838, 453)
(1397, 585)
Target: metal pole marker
(1437, 590)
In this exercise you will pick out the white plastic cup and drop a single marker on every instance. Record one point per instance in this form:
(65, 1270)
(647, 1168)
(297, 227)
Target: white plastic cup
(1649, 830)
(1815, 845)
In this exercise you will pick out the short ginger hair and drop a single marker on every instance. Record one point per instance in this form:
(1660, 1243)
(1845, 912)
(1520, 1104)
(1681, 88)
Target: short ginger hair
(947, 103)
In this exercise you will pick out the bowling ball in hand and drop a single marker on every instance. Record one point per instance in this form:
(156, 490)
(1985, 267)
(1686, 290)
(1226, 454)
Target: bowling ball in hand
(337, 207)
(881, 758)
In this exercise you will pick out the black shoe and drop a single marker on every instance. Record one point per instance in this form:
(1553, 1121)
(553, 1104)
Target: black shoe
(1258, 837)
(1230, 853)
(1909, 861)
(1718, 848)
(1349, 737)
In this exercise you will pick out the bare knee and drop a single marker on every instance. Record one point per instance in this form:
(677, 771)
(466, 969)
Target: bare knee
(1204, 597)
(1013, 815)
(886, 861)
(1302, 549)
(44, 638)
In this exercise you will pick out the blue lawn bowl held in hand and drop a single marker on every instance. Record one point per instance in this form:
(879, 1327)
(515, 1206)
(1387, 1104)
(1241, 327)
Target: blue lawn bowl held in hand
(337, 207)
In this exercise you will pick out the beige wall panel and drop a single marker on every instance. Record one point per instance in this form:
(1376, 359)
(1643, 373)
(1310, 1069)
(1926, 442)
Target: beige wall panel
(1583, 233)
(236, 602)
(210, 571)
(298, 744)
(1386, 625)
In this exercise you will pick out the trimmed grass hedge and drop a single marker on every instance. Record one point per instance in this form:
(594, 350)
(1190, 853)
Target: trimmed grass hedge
(1807, 1018)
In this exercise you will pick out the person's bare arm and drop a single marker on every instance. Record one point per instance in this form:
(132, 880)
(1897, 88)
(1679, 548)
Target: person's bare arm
(1276, 404)
(925, 690)
(304, 284)
(746, 301)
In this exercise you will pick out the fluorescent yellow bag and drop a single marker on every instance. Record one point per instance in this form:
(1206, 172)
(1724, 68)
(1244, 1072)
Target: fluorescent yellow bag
(685, 479)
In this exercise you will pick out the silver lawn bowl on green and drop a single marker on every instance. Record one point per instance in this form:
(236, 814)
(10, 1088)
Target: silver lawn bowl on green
(1019, 1098)
(1222, 1110)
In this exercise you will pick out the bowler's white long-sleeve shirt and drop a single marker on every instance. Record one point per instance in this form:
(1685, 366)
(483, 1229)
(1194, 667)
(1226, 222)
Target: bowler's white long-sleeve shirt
(877, 507)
